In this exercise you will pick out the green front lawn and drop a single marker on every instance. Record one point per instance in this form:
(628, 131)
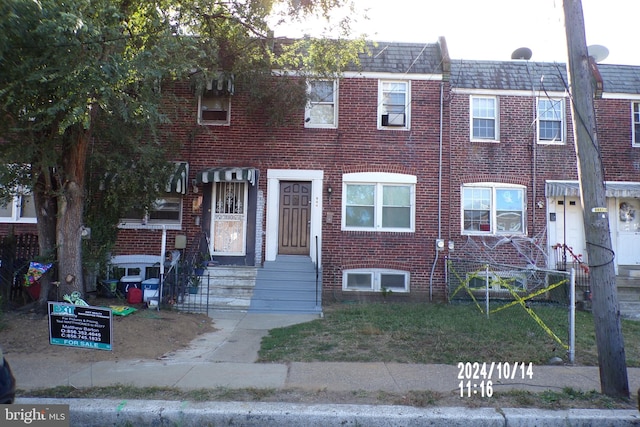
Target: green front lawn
(438, 333)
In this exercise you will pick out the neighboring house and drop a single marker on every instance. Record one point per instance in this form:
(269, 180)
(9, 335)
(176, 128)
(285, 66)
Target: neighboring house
(514, 180)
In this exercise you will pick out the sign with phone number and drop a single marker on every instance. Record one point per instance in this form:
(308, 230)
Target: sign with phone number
(80, 326)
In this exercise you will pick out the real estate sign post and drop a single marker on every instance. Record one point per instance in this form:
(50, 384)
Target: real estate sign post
(80, 326)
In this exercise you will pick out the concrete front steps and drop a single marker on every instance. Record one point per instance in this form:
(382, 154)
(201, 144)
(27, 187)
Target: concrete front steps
(222, 288)
(287, 285)
(628, 284)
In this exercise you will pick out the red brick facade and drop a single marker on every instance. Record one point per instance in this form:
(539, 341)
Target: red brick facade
(437, 150)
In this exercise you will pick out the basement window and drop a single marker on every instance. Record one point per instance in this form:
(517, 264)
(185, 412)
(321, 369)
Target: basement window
(375, 280)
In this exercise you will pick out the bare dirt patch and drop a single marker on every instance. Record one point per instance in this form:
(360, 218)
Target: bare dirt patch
(144, 334)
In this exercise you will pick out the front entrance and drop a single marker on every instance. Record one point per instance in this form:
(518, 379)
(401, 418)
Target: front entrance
(569, 229)
(294, 218)
(628, 252)
(229, 219)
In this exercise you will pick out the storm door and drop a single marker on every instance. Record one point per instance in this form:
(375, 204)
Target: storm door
(628, 251)
(229, 225)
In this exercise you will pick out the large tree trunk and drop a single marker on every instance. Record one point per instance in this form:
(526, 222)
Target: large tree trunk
(45, 203)
(70, 211)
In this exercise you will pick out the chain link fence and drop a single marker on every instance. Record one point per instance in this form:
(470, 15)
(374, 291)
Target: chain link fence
(544, 294)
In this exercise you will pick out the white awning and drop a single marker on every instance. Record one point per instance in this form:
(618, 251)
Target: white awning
(572, 189)
(233, 174)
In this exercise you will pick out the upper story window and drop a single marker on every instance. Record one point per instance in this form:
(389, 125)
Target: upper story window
(551, 121)
(489, 208)
(20, 209)
(636, 125)
(214, 105)
(214, 109)
(393, 105)
(322, 108)
(378, 202)
(484, 118)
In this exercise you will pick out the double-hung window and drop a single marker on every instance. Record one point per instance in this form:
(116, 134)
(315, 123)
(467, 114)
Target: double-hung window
(19, 209)
(393, 104)
(322, 107)
(636, 124)
(551, 121)
(378, 202)
(484, 118)
(375, 280)
(489, 208)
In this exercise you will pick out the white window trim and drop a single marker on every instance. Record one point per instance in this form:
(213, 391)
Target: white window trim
(226, 122)
(563, 122)
(379, 179)
(376, 273)
(497, 278)
(16, 218)
(493, 186)
(496, 118)
(146, 224)
(407, 105)
(635, 138)
(334, 102)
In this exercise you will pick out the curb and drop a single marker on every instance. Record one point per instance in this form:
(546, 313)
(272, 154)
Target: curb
(91, 412)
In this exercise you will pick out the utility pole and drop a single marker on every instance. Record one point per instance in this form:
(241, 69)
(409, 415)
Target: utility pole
(606, 312)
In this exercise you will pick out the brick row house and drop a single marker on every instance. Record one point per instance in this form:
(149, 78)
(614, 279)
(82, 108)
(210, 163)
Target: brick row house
(404, 161)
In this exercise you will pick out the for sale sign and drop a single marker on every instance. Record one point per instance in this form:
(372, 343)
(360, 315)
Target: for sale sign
(80, 326)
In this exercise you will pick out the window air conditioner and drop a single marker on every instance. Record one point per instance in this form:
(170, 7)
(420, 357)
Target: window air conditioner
(393, 119)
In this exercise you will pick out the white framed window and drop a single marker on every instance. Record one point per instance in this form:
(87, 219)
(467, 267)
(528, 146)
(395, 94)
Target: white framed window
(484, 118)
(20, 209)
(322, 108)
(551, 121)
(493, 208)
(214, 109)
(378, 202)
(165, 211)
(394, 102)
(375, 280)
(635, 119)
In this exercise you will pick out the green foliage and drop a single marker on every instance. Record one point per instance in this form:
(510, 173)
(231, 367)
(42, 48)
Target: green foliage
(81, 85)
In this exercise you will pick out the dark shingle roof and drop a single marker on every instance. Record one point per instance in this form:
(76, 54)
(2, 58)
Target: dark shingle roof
(620, 78)
(537, 76)
(404, 58)
(508, 75)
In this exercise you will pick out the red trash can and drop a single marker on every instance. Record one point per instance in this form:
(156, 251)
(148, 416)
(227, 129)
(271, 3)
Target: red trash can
(134, 296)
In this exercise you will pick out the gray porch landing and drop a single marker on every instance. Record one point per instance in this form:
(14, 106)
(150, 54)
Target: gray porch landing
(628, 284)
(287, 285)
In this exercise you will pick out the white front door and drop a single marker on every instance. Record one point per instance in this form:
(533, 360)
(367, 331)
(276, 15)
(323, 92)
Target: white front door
(569, 227)
(628, 247)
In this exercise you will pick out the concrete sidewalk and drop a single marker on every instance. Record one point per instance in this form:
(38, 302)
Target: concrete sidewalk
(225, 358)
